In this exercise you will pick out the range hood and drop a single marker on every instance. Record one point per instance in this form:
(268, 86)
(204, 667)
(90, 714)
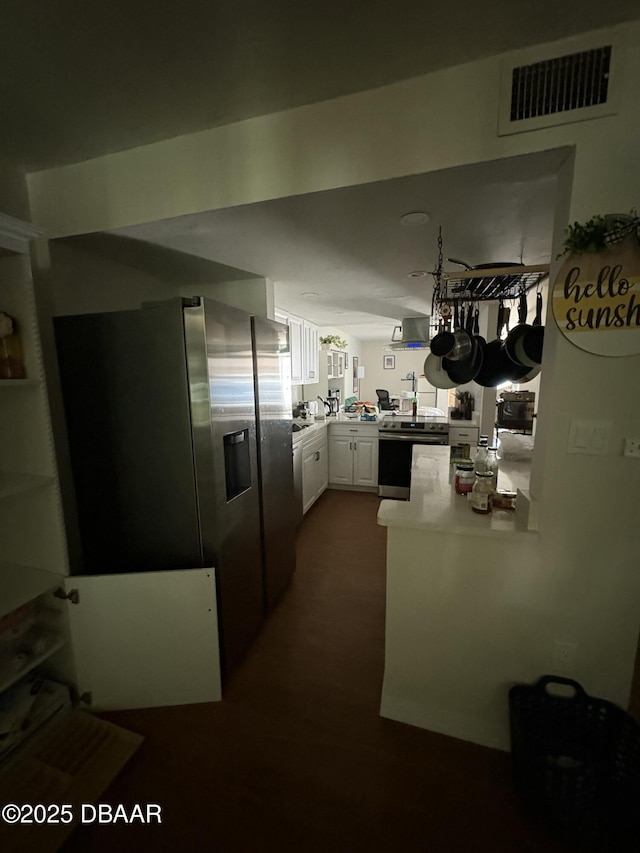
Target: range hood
(413, 334)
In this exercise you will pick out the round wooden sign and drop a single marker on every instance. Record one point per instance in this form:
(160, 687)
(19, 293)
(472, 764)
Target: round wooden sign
(596, 299)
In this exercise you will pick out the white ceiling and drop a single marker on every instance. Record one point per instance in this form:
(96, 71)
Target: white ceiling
(78, 80)
(349, 247)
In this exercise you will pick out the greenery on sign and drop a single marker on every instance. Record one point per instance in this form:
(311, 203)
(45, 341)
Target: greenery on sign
(587, 237)
(334, 340)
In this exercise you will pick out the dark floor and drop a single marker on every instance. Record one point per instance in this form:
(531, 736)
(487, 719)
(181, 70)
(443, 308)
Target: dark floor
(296, 756)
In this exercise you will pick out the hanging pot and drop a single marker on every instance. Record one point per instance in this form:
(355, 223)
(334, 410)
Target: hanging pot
(493, 369)
(465, 369)
(518, 332)
(528, 349)
(454, 345)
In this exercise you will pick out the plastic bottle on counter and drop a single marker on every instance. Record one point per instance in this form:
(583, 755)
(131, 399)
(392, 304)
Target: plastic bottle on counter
(482, 492)
(482, 454)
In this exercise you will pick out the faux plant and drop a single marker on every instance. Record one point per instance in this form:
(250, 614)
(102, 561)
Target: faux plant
(585, 237)
(334, 340)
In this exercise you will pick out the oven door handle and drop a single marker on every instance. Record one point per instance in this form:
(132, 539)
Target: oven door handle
(416, 439)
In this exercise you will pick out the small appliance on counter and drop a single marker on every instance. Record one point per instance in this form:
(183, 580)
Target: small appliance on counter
(333, 398)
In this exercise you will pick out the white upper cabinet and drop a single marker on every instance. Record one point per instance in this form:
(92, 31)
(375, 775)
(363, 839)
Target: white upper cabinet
(311, 335)
(304, 342)
(296, 342)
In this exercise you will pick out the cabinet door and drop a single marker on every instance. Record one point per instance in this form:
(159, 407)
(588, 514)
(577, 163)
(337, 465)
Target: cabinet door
(341, 460)
(365, 462)
(309, 484)
(297, 350)
(311, 353)
(330, 374)
(322, 469)
(146, 639)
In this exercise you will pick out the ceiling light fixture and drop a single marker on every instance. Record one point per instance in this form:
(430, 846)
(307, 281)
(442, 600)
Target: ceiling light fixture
(417, 217)
(418, 274)
(309, 295)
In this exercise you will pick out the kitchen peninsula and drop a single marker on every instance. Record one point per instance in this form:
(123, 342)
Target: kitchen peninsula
(461, 589)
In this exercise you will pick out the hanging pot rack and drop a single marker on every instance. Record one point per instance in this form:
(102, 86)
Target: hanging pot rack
(488, 284)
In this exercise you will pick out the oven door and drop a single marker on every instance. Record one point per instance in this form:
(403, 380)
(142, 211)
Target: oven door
(394, 463)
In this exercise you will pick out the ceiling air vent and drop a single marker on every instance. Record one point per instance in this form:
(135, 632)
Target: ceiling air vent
(557, 88)
(555, 85)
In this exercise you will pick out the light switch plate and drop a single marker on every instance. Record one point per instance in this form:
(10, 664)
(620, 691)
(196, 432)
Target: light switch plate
(589, 436)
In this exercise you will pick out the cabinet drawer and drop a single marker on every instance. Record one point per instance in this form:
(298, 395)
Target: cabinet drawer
(463, 435)
(357, 428)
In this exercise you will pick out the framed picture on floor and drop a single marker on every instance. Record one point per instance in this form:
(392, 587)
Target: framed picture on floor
(356, 381)
(389, 362)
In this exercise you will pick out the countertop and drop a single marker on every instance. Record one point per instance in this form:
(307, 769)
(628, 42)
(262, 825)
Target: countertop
(434, 504)
(311, 427)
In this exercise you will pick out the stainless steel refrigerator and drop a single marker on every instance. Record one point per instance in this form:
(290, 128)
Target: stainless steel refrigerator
(161, 415)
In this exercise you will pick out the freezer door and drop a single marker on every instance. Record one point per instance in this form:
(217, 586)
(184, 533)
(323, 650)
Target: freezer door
(146, 639)
(126, 399)
(220, 370)
(272, 378)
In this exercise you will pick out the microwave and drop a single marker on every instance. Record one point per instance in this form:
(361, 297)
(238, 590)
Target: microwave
(516, 410)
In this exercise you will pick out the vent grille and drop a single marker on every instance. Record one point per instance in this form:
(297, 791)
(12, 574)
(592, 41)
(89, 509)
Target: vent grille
(560, 84)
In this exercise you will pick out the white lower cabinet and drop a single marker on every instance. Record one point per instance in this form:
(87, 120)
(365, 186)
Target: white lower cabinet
(353, 455)
(315, 471)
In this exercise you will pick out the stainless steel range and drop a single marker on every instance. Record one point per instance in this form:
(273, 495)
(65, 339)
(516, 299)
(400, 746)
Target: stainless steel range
(397, 436)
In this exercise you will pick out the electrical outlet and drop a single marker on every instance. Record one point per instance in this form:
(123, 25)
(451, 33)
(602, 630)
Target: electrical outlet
(632, 447)
(564, 657)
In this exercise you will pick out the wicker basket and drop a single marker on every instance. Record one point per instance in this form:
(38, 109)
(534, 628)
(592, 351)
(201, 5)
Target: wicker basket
(576, 761)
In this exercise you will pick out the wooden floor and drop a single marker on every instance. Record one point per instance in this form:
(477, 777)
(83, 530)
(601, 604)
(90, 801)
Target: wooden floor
(296, 757)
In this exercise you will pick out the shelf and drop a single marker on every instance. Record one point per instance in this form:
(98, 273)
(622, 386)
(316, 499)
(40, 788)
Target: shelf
(21, 584)
(483, 285)
(9, 675)
(16, 484)
(19, 383)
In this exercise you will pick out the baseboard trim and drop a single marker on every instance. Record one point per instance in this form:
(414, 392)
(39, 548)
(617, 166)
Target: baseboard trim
(339, 487)
(460, 726)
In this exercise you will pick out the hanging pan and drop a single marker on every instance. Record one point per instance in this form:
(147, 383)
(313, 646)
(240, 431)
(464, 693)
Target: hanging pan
(465, 369)
(435, 374)
(454, 345)
(516, 335)
(528, 349)
(497, 367)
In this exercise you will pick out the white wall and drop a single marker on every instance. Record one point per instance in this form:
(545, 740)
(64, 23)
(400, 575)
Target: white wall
(376, 376)
(14, 199)
(84, 283)
(590, 526)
